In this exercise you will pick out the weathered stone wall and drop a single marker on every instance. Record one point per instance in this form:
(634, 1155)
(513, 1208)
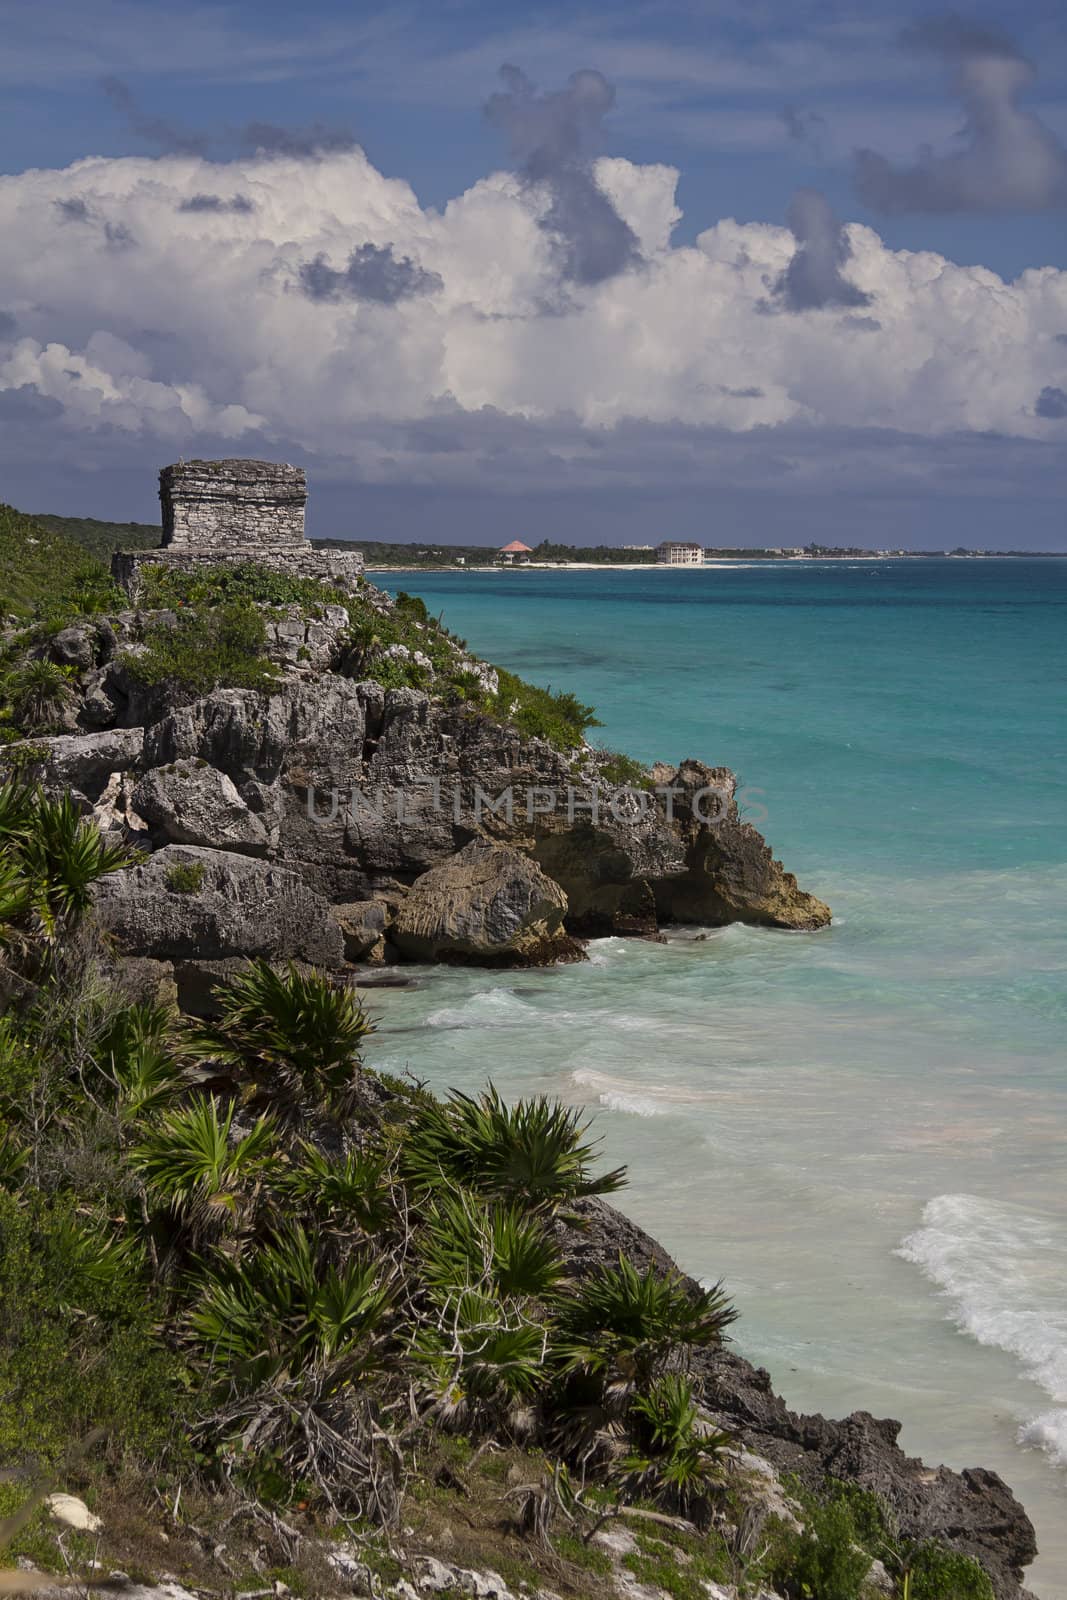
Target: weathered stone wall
(224, 512)
(341, 567)
(232, 505)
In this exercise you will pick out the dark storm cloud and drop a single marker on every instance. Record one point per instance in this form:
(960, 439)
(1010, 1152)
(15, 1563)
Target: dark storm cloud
(953, 35)
(267, 138)
(1010, 160)
(119, 236)
(166, 135)
(1052, 403)
(374, 272)
(263, 138)
(804, 127)
(73, 210)
(239, 204)
(27, 404)
(814, 277)
(553, 138)
(8, 325)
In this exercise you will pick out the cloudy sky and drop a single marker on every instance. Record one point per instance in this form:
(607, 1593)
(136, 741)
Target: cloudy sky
(757, 272)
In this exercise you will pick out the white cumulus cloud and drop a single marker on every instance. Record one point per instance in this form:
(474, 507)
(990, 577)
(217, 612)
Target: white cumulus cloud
(134, 307)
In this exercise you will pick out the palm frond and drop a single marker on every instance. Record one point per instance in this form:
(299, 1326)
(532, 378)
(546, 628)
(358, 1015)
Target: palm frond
(296, 1034)
(192, 1164)
(531, 1153)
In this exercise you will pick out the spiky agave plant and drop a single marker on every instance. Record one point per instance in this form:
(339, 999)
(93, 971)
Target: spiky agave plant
(40, 694)
(207, 1179)
(481, 1359)
(139, 1056)
(62, 855)
(285, 1311)
(295, 1034)
(465, 1243)
(623, 1326)
(674, 1457)
(354, 1188)
(532, 1153)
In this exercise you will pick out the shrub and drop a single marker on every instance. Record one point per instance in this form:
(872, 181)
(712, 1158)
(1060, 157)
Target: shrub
(50, 858)
(208, 649)
(163, 586)
(286, 1310)
(560, 719)
(40, 694)
(938, 1573)
(826, 1561)
(185, 877)
(194, 1165)
(78, 1347)
(466, 1244)
(623, 1322)
(675, 1459)
(622, 770)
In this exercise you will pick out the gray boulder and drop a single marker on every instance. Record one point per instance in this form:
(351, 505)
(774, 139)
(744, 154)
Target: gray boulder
(73, 647)
(84, 762)
(489, 903)
(363, 925)
(186, 902)
(189, 802)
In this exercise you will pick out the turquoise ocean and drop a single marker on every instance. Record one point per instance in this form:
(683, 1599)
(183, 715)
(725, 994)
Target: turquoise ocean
(864, 1130)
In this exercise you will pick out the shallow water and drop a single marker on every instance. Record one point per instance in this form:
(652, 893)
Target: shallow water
(864, 1131)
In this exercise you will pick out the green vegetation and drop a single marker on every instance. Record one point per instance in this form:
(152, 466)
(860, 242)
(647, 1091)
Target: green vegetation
(223, 647)
(845, 1530)
(163, 587)
(185, 877)
(45, 577)
(622, 770)
(561, 719)
(39, 694)
(102, 539)
(286, 1259)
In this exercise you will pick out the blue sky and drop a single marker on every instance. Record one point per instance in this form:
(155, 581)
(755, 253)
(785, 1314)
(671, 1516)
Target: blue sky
(749, 102)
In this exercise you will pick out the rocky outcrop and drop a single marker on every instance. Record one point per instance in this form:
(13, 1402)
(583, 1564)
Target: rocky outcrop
(366, 789)
(974, 1510)
(187, 902)
(362, 791)
(82, 764)
(189, 802)
(488, 903)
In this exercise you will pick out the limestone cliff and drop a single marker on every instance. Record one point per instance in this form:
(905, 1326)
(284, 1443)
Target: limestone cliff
(369, 798)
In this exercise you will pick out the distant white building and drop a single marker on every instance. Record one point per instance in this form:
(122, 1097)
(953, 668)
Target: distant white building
(673, 554)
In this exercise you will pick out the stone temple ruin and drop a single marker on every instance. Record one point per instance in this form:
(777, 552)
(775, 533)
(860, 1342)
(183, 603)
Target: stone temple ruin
(232, 511)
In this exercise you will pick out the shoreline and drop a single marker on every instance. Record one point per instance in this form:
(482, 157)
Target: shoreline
(705, 566)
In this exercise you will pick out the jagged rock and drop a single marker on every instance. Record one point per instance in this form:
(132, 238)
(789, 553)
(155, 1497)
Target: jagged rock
(363, 790)
(487, 903)
(73, 647)
(84, 762)
(190, 802)
(104, 703)
(232, 906)
(362, 924)
(435, 1577)
(973, 1511)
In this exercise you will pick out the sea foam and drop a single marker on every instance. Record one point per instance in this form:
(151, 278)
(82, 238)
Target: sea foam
(1005, 1271)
